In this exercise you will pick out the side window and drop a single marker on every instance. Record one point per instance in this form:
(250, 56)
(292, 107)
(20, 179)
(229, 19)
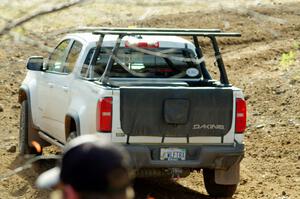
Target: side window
(72, 57)
(57, 58)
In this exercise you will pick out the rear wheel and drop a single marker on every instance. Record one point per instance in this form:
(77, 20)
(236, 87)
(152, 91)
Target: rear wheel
(24, 147)
(214, 189)
(71, 136)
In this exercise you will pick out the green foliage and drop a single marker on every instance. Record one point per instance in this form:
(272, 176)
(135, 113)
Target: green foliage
(296, 46)
(287, 59)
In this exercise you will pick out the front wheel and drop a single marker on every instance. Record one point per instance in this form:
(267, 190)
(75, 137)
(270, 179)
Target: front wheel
(217, 190)
(24, 147)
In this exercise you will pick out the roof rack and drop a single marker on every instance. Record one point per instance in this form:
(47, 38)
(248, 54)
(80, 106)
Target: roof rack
(146, 29)
(178, 32)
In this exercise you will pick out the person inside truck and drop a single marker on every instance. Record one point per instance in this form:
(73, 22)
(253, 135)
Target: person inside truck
(90, 169)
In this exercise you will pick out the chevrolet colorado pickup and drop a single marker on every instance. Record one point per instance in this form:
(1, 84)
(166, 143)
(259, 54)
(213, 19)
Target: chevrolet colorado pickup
(145, 88)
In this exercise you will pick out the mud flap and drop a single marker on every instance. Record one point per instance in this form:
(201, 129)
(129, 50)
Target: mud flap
(230, 176)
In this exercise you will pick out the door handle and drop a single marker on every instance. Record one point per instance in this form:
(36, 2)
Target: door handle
(65, 88)
(51, 85)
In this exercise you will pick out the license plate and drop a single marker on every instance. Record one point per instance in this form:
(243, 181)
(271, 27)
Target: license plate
(172, 154)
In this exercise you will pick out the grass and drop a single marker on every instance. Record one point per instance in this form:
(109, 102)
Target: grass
(289, 58)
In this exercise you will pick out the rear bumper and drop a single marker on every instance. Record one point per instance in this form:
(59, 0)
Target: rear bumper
(198, 156)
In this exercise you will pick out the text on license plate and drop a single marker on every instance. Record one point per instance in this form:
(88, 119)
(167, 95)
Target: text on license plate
(172, 154)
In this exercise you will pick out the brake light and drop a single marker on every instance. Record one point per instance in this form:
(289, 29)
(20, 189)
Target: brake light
(141, 44)
(241, 115)
(104, 115)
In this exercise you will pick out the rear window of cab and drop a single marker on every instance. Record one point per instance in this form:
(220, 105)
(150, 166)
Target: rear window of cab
(154, 63)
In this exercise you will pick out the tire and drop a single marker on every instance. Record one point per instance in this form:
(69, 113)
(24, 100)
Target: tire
(217, 190)
(71, 136)
(24, 147)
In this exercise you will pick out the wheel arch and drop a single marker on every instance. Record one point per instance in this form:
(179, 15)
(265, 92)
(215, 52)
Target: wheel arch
(23, 94)
(72, 123)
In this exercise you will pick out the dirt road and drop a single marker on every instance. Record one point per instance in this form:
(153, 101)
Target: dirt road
(265, 63)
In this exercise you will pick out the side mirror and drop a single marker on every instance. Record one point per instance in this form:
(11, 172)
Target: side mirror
(35, 63)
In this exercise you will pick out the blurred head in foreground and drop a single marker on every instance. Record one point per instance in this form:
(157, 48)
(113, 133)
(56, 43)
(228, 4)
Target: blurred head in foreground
(90, 169)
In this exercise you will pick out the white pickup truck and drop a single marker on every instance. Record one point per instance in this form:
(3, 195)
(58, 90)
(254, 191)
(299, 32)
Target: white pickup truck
(147, 89)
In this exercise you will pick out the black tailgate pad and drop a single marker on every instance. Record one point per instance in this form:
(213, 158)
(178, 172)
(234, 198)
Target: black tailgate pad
(176, 112)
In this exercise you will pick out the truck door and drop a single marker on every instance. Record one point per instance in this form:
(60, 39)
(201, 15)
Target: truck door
(57, 80)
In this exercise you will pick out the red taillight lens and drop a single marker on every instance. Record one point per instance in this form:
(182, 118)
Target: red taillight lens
(104, 114)
(241, 115)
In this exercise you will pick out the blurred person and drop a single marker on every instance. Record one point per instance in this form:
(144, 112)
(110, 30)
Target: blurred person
(90, 169)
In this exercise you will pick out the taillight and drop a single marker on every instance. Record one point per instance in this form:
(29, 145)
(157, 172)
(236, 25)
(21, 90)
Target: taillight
(104, 115)
(241, 115)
